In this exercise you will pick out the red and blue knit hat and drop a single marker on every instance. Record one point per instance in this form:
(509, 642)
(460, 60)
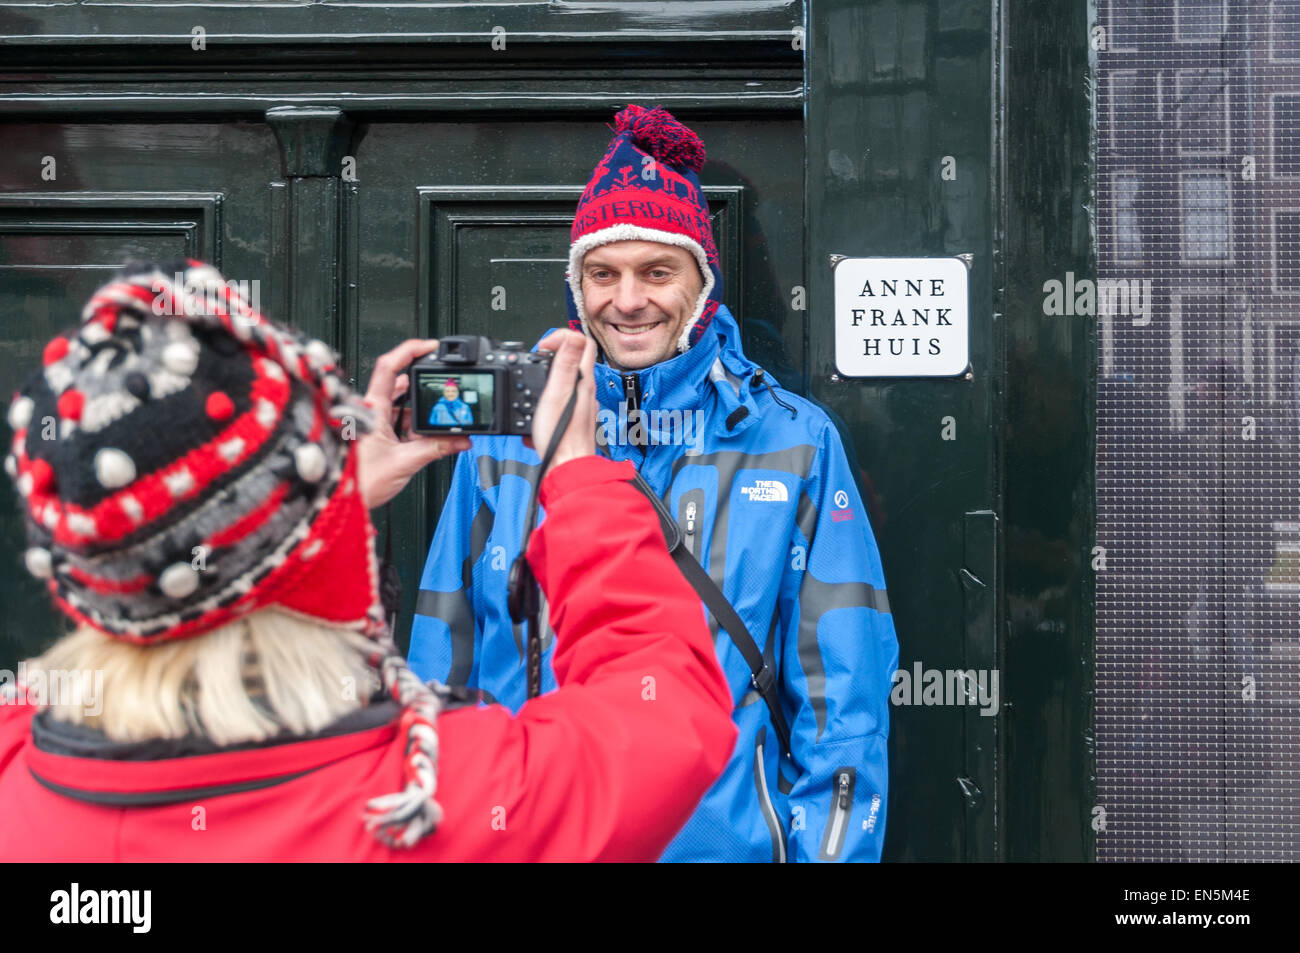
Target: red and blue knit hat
(647, 188)
(184, 461)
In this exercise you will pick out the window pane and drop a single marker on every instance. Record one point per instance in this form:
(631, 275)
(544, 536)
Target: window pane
(1200, 19)
(1286, 135)
(1128, 234)
(1284, 28)
(1288, 251)
(1202, 112)
(1120, 26)
(1205, 216)
(1205, 191)
(1124, 87)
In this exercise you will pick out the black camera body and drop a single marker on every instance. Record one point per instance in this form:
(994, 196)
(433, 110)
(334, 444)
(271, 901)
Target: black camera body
(474, 385)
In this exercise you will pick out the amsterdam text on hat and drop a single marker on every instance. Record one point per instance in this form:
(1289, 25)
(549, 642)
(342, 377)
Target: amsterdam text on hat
(647, 188)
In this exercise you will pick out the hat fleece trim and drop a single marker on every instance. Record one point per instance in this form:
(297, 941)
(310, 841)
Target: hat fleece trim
(625, 233)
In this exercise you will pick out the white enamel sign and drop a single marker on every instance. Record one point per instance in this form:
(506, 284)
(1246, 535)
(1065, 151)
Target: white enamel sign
(901, 317)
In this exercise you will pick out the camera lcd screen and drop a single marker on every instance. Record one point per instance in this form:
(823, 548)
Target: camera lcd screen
(456, 401)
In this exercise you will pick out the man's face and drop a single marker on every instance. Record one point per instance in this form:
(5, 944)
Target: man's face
(450, 390)
(638, 297)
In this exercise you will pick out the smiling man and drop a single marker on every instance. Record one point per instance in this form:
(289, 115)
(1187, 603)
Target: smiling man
(765, 500)
(639, 296)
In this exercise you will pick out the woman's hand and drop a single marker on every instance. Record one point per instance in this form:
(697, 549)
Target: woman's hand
(573, 352)
(387, 461)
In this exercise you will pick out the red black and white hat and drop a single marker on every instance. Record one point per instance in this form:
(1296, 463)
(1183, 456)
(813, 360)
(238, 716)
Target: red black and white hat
(185, 461)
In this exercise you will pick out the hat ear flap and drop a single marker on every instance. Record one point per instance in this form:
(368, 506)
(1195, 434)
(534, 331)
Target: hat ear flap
(335, 576)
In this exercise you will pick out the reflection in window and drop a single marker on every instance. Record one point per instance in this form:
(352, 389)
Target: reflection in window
(1286, 135)
(1128, 233)
(1205, 216)
(1284, 29)
(1286, 247)
(1120, 33)
(1202, 114)
(1125, 115)
(1200, 19)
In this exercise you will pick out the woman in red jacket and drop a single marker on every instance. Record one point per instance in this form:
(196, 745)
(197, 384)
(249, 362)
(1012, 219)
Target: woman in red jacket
(196, 504)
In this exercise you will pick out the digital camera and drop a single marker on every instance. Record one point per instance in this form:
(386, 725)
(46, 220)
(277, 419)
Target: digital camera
(474, 385)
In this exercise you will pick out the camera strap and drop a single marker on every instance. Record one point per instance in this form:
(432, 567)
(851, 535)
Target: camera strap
(524, 600)
(761, 676)
(390, 582)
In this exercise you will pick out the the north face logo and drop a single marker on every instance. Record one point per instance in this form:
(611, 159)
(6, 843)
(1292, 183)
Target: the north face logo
(766, 491)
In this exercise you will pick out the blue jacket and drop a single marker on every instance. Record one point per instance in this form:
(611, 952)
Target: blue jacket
(769, 505)
(449, 412)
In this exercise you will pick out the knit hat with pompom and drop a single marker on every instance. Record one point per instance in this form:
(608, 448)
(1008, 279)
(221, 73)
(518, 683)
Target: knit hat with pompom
(183, 462)
(647, 188)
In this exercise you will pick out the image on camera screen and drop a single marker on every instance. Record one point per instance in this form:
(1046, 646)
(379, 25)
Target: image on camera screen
(454, 401)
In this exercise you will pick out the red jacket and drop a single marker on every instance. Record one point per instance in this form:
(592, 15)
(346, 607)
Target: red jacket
(608, 767)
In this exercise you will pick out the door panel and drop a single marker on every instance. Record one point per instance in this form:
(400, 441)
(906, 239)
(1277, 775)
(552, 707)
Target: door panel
(78, 199)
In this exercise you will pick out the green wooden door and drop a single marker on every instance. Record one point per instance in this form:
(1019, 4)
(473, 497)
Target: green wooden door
(373, 184)
(389, 171)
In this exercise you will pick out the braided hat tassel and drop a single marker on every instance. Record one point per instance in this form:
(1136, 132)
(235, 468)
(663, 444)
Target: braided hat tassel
(401, 819)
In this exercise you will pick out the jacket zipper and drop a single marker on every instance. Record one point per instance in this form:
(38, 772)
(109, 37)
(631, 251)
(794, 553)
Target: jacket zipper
(632, 398)
(837, 824)
(690, 527)
(765, 799)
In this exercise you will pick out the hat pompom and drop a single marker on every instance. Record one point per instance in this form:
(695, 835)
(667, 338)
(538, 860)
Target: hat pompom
(656, 131)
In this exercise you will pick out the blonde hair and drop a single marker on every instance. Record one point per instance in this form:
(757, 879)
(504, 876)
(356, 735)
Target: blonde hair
(249, 680)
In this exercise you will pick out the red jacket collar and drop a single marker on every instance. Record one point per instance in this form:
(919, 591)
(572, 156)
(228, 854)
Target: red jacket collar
(134, 774)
